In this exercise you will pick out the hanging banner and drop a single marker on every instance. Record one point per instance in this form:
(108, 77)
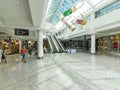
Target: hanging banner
(73, 9)
(67, 12)
(80, 21)
(84, 22)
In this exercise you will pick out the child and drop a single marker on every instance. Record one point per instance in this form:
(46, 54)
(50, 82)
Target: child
(3, 58)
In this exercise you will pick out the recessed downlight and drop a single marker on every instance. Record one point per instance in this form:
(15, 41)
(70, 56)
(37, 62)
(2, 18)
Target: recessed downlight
(18, 2)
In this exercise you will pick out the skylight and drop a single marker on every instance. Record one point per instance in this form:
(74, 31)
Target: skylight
(58, 7)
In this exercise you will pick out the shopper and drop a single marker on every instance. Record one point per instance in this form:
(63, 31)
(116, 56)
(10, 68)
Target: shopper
(44, 49)
(3, 58)
(23, 53)
(30, 51)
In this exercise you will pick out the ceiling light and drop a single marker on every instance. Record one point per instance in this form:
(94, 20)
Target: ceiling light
(18, 2)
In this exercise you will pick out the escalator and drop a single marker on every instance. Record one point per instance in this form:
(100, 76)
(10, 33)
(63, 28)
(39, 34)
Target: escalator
(61, 48)
(55, 43)
(52, 45)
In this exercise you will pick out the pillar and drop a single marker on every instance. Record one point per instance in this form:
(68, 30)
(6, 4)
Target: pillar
(93, 49)
(92, 32)
(40, 44)
(20, 46)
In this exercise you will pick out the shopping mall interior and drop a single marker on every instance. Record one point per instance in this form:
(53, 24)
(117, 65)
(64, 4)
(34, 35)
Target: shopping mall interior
(75, 44)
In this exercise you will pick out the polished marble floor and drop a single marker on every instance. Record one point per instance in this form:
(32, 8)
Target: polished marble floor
(78, 71)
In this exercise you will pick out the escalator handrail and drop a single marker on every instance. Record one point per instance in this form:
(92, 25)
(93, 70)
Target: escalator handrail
(50, 43)
(54, 43)
(59, 43)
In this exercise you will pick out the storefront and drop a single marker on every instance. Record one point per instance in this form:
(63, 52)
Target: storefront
(102, 44)
(10, 46)
(109, 44)
(115, 43)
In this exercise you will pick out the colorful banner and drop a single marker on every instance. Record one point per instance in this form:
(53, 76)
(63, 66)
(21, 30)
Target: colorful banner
(67, 12)
(80, 21)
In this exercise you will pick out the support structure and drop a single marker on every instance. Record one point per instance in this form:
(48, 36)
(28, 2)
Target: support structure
(92, 31)
(93, 47)
(40, 44)
(20, 46)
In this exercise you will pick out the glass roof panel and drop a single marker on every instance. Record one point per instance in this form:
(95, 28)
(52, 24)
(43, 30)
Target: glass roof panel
(58, 7)
(53, 6)
(64, 5)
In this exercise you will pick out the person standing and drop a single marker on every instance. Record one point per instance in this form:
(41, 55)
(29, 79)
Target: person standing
(23, 53)
(45, 49)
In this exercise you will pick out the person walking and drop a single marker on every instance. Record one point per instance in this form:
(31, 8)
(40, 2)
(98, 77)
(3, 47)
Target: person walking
(30, 51)
(3, 58)
(23, 53)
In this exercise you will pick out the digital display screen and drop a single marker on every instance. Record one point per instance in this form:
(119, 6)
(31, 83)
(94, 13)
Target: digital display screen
(22, 32)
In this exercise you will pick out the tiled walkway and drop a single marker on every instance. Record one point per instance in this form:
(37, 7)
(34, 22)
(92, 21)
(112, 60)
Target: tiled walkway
(61, 72)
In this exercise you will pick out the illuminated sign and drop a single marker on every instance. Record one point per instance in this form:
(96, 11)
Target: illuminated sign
(22, 32)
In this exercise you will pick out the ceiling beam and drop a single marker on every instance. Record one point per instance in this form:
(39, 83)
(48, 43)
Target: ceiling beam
(37, 9)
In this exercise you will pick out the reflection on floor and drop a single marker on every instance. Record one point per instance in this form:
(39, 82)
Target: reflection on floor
(61, 72)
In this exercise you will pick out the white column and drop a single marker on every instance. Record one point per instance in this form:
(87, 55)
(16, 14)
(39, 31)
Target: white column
(92, 31)
(20, 46)
(40, 44)
(93, 49)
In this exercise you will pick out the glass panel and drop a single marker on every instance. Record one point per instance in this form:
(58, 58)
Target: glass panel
(64, 5)
(107, 9)
(53, 6)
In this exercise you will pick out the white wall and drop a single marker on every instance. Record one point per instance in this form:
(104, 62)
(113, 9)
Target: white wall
(108, 21)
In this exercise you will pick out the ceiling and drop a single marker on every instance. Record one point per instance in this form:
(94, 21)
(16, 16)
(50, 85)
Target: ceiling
(38, 14)
(23, 14)
(15, 14)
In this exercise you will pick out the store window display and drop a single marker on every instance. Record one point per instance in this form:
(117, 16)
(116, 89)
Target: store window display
(10, 47)
(115, 44)
(102, 45)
